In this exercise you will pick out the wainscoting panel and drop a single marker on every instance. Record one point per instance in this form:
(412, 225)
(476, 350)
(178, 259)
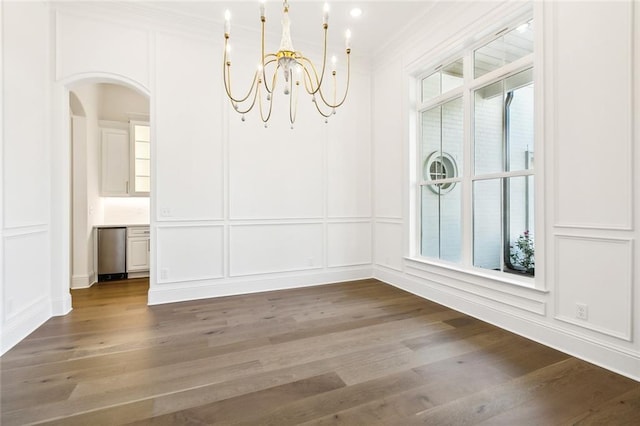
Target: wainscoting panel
(277, 172)
(190, 253)
(349, 154)
(388, 246)
(270, 248)
(349, 244)
(24, 124)
(188, 152)
(388, 178)
(593, 129)
(603, 287)
(26, 258)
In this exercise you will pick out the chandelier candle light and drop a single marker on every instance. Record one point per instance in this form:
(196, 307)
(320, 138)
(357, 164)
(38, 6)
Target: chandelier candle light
(296, 69)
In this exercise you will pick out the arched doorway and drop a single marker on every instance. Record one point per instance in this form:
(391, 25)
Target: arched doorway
(65, 208)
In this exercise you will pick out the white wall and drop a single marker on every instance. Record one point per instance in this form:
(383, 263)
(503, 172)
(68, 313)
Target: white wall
(119, 103)
(86, 203)
(27, 295)
(230, 197)
(79, 215)
(126, 210)
(587, 222)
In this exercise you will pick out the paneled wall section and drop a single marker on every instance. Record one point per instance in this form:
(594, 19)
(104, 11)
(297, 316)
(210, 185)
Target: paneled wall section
(234, 202)
(587, 131)
(26, 271)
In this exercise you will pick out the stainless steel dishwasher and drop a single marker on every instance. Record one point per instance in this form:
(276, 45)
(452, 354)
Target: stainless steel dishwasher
(112, 253)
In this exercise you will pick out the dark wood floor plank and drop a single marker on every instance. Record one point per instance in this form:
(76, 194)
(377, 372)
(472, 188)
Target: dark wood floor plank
(448, 380)
(252, 405)
(297, 412)
(544, 396)
(352, 353)
(622, 410)
(565, 399)
(186, 398)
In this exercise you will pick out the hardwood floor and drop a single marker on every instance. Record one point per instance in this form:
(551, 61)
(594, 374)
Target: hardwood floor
(358, 353)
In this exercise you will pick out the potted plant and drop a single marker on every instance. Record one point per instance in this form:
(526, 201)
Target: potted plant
(523, 253)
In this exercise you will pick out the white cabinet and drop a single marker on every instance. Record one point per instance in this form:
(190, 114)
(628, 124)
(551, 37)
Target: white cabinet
(115, 162)
(125, 159)
(138, 250)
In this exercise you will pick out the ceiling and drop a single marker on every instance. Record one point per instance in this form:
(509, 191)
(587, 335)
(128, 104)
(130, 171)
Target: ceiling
(379, 22)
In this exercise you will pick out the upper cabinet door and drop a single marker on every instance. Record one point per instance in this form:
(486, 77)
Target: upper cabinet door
(115, 163)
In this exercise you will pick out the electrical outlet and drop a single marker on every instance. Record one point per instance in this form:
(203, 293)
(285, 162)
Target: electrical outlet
(310, 261)
(582, 311)
(164, 274)
(165, 212)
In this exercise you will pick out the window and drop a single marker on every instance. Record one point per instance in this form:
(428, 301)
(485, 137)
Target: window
(479, 107)
(441, 154)
(141, 154)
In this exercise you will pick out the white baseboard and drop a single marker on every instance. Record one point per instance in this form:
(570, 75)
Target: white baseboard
(61, 306)
(179, 292)
(138, 274)
(616, 359)
(23, 324)
(81, 281)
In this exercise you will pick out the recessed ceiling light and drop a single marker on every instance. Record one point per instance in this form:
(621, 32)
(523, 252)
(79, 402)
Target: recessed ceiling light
(356, 12)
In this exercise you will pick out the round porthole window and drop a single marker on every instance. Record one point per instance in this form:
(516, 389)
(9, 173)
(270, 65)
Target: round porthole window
(440, 166)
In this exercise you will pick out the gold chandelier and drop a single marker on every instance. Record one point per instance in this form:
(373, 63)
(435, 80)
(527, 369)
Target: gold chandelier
(297, 69)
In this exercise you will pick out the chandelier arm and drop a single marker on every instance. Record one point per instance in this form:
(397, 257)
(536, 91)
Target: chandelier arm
(308, 75)
(273, 59)
(315, 103)
(313, 90)
(320, 79)
(227, 78)
(325, 115)
(264, 75)
(293, 103)
(307, 79)
(273, 85)
(264, 57)
(227, 86)
(253, 103)
(346, 90)
(260, 102)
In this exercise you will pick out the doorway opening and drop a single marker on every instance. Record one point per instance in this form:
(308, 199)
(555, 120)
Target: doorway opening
(111, 145)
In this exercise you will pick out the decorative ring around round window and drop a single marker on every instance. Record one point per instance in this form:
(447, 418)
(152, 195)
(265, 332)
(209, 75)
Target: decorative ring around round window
(440, 165)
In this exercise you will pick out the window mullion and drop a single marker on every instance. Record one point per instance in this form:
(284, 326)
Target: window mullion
(442, 99)
(503, 72)
(498, 175)
(467, 170)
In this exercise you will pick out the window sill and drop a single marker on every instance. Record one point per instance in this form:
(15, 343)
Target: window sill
(475, 275)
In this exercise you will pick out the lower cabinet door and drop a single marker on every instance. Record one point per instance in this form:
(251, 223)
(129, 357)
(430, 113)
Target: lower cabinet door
(138, 254)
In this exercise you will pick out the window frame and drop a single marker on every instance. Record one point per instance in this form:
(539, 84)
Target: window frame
(132, 156)
(467, 176)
